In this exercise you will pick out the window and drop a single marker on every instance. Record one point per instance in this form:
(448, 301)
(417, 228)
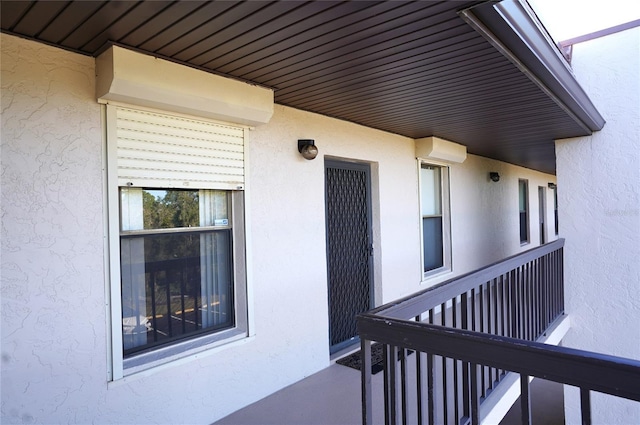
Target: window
(177, 252)
(176, 265)
(524, 210)
(434, 207)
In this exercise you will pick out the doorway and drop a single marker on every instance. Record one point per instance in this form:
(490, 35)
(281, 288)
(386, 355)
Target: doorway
(542, 214)
(349, 248)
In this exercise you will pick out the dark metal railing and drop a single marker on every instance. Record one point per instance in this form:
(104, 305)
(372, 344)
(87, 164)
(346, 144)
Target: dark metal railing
(468, 333)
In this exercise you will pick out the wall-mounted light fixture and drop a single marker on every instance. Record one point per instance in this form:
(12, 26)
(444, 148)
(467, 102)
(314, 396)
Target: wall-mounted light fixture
(552, 185)
(308, 149)
(494, 176)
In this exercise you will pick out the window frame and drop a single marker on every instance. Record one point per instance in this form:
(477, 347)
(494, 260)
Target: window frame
(445, 214)
(118, 366)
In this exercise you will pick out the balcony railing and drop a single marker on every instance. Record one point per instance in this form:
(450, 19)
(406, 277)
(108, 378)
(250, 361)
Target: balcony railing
(447, 348)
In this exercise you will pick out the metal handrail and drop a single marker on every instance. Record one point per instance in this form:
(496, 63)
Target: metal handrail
(516, 300)
(419, 302)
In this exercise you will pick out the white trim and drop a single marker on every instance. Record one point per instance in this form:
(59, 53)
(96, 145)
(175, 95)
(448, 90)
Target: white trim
(106, 243)
(178, 362)
(113, 219)
(248, 242)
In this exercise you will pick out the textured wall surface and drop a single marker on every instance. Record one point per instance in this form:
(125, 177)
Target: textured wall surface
(53, 323)
(54, 318)
(599, 191)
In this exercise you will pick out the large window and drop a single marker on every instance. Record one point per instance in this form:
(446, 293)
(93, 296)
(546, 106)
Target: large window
(434, 206)
(523, 196)
(177, 252)
(176, 265)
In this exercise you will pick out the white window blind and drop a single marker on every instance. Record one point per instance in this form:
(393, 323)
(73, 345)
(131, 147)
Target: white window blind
(158, 150)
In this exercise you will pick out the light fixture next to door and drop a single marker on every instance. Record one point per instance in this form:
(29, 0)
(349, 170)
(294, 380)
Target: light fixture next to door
(308, 149)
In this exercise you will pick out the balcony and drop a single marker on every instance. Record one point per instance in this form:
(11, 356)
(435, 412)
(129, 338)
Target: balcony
(458, 353)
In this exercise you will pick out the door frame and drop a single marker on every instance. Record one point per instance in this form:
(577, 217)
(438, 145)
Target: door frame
(367, 168)
(542, 214)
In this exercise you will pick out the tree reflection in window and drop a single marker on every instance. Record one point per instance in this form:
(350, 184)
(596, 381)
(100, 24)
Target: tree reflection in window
(175, 265)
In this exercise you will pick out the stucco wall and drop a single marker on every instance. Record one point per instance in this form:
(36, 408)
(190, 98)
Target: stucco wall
(54, 315)
(599, 196)
(53, 323)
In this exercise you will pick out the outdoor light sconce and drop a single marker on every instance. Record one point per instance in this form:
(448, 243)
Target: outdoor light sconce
(552, 185)
(494, 176)
(308, 149)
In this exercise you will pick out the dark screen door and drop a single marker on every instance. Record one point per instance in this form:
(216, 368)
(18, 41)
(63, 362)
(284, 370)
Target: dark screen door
(349, 248)
(542, 215)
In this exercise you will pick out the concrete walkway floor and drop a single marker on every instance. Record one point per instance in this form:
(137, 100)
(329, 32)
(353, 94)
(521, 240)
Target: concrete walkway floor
(329, 397)
(332, 397)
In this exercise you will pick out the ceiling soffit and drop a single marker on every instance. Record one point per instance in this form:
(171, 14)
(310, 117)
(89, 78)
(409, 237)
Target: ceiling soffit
(417, 69)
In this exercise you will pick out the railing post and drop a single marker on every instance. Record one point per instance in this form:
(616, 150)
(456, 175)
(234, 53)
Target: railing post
(430, 389)
(367, 400)
(525, 401)
(585, 406)
(404, 385)
(475, 398)
(391, 383)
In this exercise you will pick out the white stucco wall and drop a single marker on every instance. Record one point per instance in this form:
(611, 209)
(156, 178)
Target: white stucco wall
(53, 323)
(54, 314)
(599, 197)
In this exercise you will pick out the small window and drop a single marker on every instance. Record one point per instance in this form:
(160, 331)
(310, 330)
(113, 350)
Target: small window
(434, 207)
(523, 192)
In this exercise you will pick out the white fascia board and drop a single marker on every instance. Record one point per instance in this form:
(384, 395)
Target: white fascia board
(512, 27)
(137, 79)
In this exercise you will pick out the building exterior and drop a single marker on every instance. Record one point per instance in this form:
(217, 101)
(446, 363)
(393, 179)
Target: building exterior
(598, 185)
(75, 345)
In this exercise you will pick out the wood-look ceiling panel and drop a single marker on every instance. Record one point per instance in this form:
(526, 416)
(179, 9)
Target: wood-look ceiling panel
(37, 17)
(98, 23)
(272, 13)
(174, 31)
(163, 19)
(206, 32)
(282, 26)
(12, 12)
(359, 75)
(357, 53)
(68, 20)
(131, 15)
(361, 38)
(310, 33)
(443, 81)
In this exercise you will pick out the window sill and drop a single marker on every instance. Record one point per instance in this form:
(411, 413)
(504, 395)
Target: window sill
(133, 373)
(436, 276)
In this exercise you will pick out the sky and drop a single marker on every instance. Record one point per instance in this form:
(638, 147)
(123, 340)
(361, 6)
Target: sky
(565, 19)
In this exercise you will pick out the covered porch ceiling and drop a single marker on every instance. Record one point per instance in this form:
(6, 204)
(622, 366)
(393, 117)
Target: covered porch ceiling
(482, 74)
